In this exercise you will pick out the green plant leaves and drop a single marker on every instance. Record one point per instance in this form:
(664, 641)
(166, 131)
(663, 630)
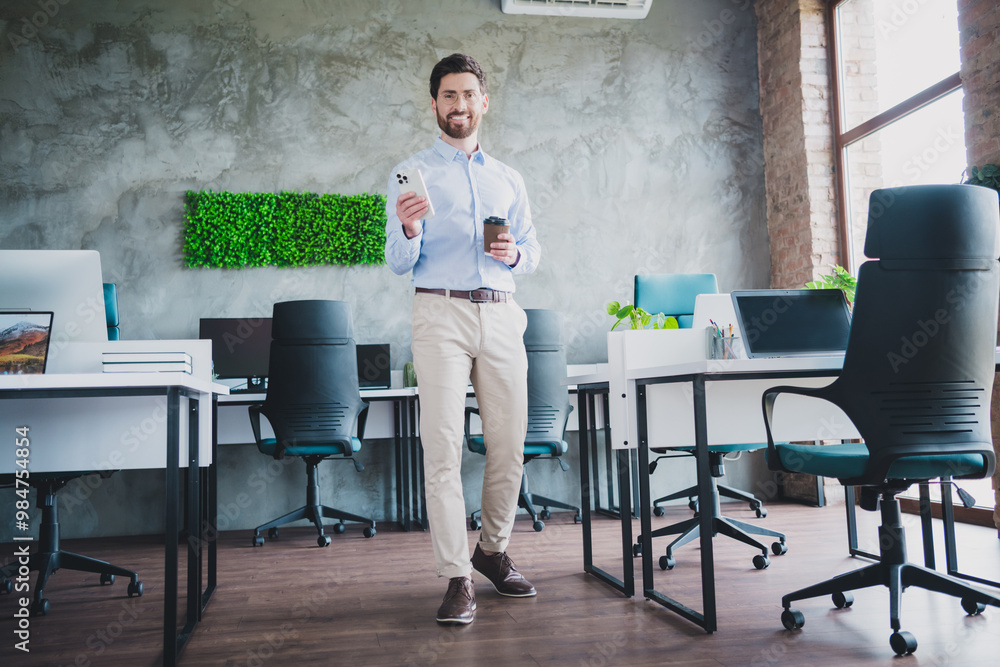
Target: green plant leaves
(235, 230)
(841, 279)
(639, 318)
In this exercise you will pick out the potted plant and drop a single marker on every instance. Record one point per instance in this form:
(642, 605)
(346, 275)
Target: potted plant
(639, 318)
(841, 279)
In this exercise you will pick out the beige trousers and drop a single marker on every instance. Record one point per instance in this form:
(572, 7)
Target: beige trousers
(455, 340)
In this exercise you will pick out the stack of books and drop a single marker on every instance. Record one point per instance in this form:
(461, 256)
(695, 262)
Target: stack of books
(146, 362)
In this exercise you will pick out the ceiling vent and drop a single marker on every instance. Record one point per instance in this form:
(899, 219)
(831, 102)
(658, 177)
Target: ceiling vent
(602, 9)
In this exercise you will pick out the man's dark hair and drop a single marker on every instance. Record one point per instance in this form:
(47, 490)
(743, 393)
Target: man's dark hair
(456, 63)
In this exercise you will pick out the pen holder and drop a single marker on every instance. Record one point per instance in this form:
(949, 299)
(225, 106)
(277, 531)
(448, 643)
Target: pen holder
(721, 346)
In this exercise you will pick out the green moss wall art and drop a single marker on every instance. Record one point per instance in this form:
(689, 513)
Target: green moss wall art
(235, 230)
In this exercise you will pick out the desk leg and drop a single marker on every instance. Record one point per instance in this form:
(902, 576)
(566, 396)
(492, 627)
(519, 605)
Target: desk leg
(194, 534)
(707, 620)
(171, 532)
(588, 466)
(926, 526)
(211, 509)
(704, 500)
(403, 510)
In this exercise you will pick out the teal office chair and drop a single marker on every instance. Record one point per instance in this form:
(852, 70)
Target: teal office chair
(548, 413)
(313, 403)
(916, 382)
(674, 294)
(111, 311)
(49, 557)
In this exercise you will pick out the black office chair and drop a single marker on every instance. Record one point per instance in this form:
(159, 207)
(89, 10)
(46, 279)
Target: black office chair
(674, 294)
(313, 403)
(548, 413)
(916, 382)
(48, 556)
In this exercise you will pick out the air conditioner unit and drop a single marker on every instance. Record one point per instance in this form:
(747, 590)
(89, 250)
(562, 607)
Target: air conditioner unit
(603, 9)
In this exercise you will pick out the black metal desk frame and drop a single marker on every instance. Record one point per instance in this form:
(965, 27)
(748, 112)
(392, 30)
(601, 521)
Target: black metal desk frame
(195, 513)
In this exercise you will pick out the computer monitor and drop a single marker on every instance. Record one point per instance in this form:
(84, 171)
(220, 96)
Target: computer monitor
(792, 323)
(67, 283)
(241, 348)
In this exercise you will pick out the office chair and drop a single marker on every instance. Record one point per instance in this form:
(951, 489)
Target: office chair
(48, 556)
(313, 403)
(111, 311)
(548, 413)
(916, 382)
(674, 294)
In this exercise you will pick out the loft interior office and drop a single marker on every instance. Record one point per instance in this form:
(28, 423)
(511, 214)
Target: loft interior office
(660, 145)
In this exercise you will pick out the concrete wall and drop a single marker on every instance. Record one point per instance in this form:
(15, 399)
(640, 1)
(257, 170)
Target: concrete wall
(640, 143)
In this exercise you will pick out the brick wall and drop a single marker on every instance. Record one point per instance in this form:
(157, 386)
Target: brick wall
(798, 155)
(979, 38)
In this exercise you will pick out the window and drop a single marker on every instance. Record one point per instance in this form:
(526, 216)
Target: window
(897, 110)
(897, 103)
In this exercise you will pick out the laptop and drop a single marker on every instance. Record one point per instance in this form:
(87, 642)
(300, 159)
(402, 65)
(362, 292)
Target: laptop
(24, 341)
(374, 369)
(792, 323)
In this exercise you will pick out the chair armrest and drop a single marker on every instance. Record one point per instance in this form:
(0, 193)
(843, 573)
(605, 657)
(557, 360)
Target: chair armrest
(767, 407)
(362, 422)
(254, 411)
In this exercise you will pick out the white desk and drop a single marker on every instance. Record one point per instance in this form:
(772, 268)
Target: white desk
(88, 421)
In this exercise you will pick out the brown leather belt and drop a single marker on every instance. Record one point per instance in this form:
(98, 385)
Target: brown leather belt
(481, 295)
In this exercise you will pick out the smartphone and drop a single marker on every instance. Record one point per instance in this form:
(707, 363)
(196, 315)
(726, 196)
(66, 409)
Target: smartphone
(411, 180)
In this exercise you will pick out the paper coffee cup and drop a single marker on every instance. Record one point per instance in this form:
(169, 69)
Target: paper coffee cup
(493, 226)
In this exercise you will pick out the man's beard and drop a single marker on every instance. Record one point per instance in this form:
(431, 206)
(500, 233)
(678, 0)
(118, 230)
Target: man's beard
(459, 132)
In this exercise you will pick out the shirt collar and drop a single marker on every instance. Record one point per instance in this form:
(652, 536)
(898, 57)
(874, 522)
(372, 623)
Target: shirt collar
(449, 152)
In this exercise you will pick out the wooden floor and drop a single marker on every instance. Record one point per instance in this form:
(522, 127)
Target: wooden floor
(372, 602)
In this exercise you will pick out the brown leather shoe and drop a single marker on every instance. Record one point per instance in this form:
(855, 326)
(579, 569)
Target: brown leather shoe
(500, 570)
(459, 605)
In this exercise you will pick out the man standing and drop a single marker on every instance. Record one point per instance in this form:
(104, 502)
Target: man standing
(466, 325)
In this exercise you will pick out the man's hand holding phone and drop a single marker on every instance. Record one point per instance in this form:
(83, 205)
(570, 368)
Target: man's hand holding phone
(413, 204)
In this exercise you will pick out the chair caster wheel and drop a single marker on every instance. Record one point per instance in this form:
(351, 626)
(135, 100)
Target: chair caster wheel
(577, 518)
(475, 524)
(135, 590)
(339, 528)
(842, 600)
(538, 526)
(792, 619)
(972, 607)
(903, 643)
(6, 586)
(545, 514)
(369, 531)
(761, 561)
(761, 512)
(324, 540)
(258, 541)
(636, 549)
(107, 579)
(693, 505)
(659, 511)
(779, 548)
(667, 562)
(40, 607)
(272, 533)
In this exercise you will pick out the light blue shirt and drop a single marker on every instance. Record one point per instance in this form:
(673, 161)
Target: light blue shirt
(448, 252)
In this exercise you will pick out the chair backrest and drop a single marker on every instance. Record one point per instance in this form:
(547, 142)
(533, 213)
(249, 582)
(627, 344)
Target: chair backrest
(548, 397)
(918, 370)
(312, 394)
(673, 293)
(111, 311)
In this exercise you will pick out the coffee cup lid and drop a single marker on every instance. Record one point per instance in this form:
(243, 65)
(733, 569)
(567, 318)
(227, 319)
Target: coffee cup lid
(494, 220)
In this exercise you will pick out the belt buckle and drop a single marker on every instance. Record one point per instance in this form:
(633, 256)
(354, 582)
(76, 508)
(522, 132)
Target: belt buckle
(482, 295)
